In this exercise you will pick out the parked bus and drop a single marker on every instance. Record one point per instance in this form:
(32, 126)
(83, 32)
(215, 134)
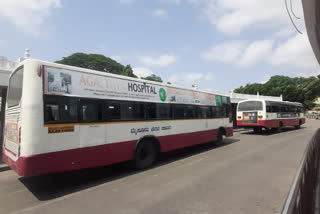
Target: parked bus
(258, 114)
(61, 118)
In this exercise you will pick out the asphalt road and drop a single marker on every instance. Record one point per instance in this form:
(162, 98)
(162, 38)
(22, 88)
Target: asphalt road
(249, 173)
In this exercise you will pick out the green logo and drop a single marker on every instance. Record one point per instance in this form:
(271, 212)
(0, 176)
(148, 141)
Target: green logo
(162, 94)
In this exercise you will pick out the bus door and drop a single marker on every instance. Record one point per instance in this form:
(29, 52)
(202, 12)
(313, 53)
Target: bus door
(92, 130)
(250, 117)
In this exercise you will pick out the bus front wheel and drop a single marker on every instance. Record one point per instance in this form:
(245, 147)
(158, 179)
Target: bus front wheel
(257, 129)
(145, 155)
(219, 140)
(279, 129)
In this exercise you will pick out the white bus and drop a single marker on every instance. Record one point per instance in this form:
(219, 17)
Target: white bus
(258, 114)
(61, 118)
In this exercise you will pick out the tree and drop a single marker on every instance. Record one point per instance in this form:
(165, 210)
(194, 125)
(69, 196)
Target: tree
(297, 89)
(128, 71)
(97, 62)
(153, 77)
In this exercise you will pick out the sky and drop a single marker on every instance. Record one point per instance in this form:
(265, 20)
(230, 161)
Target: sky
(217, 44)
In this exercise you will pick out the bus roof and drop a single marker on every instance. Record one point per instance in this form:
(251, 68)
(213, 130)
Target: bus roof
(101, 73)
(285, 102)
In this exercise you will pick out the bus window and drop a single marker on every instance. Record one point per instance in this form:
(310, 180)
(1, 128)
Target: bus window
(164, 111)
(178, 111)
(15, 88)
(283, 108)
(275, 107)
(268, 107)
(113, 111)
(250, 106)
(189, 112)
(91, 111)
(214, 112)
(205, 112)
(152, 111)
(60, 109)
(136, 111)
(52, 113)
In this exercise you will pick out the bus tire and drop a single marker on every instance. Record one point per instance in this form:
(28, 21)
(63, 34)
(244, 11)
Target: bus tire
(220, 134)
(146, 154)
(257, 129)
(279, 129)
(298, 126)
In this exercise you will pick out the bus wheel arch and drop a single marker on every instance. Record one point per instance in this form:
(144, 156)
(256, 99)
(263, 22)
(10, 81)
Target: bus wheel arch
(146, 151)
(221, 132)
(299, 125)
(280, 126)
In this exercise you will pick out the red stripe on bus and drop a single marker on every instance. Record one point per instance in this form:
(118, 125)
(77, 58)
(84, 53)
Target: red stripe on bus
(272, 123)
(101, 155)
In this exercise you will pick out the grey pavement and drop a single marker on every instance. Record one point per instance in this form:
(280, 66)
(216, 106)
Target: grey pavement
(3, 166)
(249, 173)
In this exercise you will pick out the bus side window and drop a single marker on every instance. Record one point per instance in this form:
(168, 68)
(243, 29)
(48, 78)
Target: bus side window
(136, 111)
(68, 109)
(268, 107)
(189, 112)
(91, 111)
(164, 111)
(152, 111)
(52, 112)
(283, 108)
(275, 108)
(178, 111)
(60, 109)
(113, 111)
(214, 112)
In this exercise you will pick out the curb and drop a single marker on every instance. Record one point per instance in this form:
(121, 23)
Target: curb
(4, 167)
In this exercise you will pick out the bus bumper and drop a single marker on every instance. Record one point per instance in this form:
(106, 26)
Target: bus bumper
(271, 123)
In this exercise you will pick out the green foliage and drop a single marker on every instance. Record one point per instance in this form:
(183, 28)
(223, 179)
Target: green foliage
(97, 62)
(297, 89)
(153, 77)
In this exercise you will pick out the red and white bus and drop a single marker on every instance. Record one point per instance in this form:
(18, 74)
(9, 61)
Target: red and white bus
(61, 118)
(258, 114)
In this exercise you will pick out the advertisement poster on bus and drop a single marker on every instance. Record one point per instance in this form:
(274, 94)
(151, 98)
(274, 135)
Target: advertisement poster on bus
(81, 84)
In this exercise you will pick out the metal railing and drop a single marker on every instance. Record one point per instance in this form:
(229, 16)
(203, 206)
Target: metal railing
(301, 198)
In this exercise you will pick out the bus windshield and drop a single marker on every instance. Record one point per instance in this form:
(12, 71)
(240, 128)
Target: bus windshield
(15, 88)
(250, 106)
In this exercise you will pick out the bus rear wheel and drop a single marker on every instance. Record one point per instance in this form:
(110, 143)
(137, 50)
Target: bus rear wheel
(298, 126)
(257, 129)
(219, 140)
(145, 155)
(279, 129)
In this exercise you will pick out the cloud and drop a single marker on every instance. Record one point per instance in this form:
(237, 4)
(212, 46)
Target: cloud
(176, 2)
(233, 16)
(2, 42)
(160, 61)
(126, 1)
(226, 52)
(142, 71)
(256, 52)
(28, 15)
(297, 52)
(159, 13)
(189, 78)
(117, 58)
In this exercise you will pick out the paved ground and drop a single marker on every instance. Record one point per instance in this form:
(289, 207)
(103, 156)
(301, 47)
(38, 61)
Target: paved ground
(249, 174)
